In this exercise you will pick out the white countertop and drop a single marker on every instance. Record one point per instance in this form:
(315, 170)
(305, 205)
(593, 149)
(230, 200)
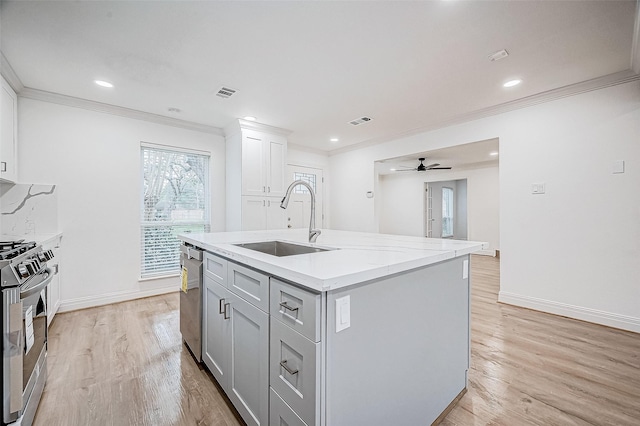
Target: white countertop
(360, 256)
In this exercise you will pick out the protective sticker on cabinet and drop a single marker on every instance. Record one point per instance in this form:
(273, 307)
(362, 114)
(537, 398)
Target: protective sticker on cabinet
(185, 279)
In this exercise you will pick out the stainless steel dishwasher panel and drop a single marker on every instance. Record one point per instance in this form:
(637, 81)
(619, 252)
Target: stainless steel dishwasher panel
(191, 299)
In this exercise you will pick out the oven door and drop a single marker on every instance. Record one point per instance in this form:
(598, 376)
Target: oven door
(25, 347)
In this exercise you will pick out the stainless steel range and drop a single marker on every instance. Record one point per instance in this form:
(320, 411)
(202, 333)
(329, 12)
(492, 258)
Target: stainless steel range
(24, 277)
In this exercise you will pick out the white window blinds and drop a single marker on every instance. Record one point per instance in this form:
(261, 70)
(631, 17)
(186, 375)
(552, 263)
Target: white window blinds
(175, 199)
(447, 212)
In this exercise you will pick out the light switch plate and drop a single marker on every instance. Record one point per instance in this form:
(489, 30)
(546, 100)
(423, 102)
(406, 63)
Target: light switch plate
(343, 313)
(537, 188)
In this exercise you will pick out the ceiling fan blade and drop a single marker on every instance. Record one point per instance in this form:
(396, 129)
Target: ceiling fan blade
(431, 166)
(406, 170)
(439, 168)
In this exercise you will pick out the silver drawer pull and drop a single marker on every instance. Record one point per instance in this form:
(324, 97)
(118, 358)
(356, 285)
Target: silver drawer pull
(220, 308)
(287, 307)
(283, 364)
(226, 305)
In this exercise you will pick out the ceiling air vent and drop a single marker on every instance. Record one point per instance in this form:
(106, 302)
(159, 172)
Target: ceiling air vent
(500, 54)
(225, 92)
(360, 120)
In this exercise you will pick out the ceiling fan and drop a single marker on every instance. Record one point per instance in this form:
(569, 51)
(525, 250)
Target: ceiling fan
(422, 168)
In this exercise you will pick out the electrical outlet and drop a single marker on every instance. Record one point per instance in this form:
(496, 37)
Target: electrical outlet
(343, 313)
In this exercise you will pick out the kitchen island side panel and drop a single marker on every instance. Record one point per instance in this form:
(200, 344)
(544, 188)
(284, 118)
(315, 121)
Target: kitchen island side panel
(405, 356)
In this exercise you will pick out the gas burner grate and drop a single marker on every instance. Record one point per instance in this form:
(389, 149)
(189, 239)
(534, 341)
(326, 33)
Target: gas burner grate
(11, 249)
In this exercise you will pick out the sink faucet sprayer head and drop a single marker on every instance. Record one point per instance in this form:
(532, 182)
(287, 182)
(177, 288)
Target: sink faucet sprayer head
(285, 201)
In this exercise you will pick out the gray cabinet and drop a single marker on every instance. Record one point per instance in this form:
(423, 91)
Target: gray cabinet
(280, 414)
(295, 371)
(236, 338)
(215, 330)
(248, 387)
(249, 284)
(296, 354)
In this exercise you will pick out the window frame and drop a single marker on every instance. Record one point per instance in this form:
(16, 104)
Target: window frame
(205, 222)
(451, 213)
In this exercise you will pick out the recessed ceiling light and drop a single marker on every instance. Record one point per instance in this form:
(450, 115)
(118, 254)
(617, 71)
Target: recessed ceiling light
(392, 170)
(512, 83)
(334, 139)
(103, 83)
(493, 154)
(250, 118)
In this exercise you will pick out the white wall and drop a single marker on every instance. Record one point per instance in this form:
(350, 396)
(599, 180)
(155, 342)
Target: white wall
(94, 159)
(572, 251)
(461, 210)
(401, 197)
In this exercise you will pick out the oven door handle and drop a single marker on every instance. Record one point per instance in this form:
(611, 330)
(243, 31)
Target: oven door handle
(37, 288)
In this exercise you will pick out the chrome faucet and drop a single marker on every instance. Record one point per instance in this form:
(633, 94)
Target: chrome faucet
(313, 232)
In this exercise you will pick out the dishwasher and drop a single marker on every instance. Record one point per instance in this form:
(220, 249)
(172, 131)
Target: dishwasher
(191, 299)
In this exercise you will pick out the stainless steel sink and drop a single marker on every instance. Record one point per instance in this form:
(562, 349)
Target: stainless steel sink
(281, 248)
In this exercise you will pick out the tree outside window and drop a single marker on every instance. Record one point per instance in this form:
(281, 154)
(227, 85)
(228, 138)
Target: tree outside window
(175, 199)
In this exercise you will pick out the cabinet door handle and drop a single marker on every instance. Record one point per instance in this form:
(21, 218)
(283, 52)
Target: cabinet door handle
(220, 309)
(283, 364)
(287, 307)
(264, 189)
(268, 189)
(4, 166)
(226, 305)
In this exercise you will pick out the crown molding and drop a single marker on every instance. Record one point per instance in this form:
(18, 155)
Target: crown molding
(9, 74)
(240, 124)
(306, 148)
(71, 101)
(610, 80)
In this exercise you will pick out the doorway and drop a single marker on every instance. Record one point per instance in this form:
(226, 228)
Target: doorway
(299, 210)
(445, 209)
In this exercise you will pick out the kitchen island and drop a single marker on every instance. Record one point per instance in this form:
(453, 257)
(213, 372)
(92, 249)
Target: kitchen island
(372, 331)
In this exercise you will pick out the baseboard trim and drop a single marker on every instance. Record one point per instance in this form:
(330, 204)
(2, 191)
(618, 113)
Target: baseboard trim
(106, 299)
(608, 319)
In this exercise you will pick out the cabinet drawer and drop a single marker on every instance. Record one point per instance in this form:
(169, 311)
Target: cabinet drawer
(215, 267)
(251, 285)
(297, 308)
(281, 414)
(295, 371)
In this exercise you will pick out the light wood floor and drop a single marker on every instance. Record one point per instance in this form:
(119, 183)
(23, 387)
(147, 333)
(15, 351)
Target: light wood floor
(124, 364)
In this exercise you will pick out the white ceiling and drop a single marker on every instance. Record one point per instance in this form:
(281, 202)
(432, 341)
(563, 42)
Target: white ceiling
(312, 66)
(471, 155)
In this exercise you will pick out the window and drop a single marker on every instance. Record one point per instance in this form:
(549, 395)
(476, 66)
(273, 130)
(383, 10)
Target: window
(175, 199)
(447, 212)
(307, 177)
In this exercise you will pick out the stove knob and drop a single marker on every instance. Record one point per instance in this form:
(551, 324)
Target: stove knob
(42, 257)
(22, 271)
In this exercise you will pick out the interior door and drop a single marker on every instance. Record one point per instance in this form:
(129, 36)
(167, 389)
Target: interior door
(299, 210)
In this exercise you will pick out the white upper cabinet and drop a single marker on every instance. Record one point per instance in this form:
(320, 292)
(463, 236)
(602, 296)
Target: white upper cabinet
(8, 134)
(263, 163)
(256, 180)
